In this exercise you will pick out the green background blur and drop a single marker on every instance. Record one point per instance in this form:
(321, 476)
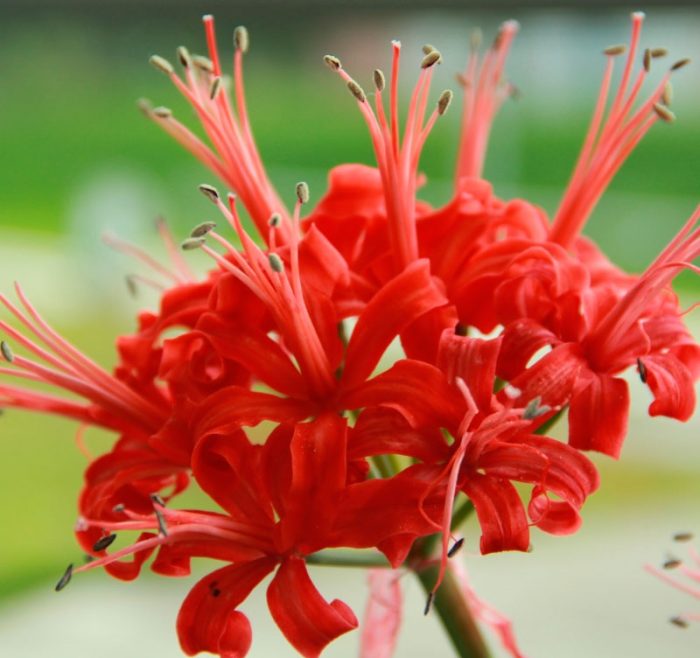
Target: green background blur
(77, 159)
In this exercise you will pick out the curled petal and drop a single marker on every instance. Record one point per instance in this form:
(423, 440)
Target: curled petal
(208, 619)
(672, 385)
(380, 627)
(598, 414)
(305, 618)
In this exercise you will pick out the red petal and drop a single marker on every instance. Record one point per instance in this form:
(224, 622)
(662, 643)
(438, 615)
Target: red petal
(598, 414)
(307, 620)
(473, 360)
(521, 339)
(672, 385)
(500, 511)
(382, 620)
(418, 391)
(208, 619)
(400, 302)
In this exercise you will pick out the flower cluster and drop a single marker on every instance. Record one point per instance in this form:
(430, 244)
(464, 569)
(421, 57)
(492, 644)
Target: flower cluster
(507, 320)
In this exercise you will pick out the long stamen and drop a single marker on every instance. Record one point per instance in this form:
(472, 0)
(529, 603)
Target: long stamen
(610, 139)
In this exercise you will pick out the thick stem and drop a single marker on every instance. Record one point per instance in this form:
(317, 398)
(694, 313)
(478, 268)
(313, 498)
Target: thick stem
(455, 615)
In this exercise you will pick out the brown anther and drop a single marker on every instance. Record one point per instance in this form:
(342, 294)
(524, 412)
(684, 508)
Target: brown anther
(104, 542)
(614, 51)
(679, 621)
(215, 88)
(683, 536)
(455, 547)
(131, 285)
(659, 52)
(680, 63)
(428, 603)
(444, 101)
(664, 113)
(275, 220)
(302, 190)
(162, 527)
(667, 95)
(671, 563)
(428, 48)
(162, 64)
(118, 509)
(357, 91)
(6, 352)
(432, 58)
(65, 578)
(241, 39)
(157, 499)
(145, 106)
(646, 61)
(202, 229)
(379, 80)
(210, 192)
(275, 262)
(642, 371)
(192, 243)
(461, 80)
(203, 63)
(184, 56)
(162, 112)
(332, 62)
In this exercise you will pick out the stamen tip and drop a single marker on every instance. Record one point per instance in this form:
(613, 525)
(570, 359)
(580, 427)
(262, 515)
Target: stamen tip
(356, 91)
(679, 621)
(131, 285)
(184, 56)
(642, 371)
(379, 80)
(332, 62)
(161, 64)
(428, 603)
(7, 353)
(428, 48)
(646, 61)
(276, 263)
(203, 63)
(664, 113)
(192, 243)
(614, 51)
(680, 63)
(202, 229)
(162, 112)
(444, 101)
(302, 190)
(275, 220)
(210, 192)
(432, 58)
(455, 547)
(145, 106)
(683, 536)
(671, 563)
(104, 543)
(215, 87)
(65, 578)
(241, 39)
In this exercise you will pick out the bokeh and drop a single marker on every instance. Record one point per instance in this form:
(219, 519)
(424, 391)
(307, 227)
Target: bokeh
(77, 160)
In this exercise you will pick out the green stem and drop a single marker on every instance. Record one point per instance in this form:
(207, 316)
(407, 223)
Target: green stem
(455, 615)
(342, 558)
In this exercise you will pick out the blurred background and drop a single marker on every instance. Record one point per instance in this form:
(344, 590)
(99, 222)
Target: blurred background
(77, 159)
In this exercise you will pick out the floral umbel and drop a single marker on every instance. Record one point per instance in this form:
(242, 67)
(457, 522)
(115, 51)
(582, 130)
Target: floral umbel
(507, 321)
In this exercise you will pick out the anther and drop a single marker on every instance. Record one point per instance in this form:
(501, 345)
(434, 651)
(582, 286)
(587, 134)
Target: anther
(192, 243)
(379, 80)
(210, 192)
(275, 220)
(642, 371)
(664, 113)
(614, 51)
(202, 229)
(162, 112)
(162, 64)
(428, 603)
(671, 563)
(145, 106)
(683, 536)
(104, 542)
(444, 101)
(65, 578)
(667, 95)
(275, 262)
(203, 63)
(679, 621)
(157, 499)
(455, 547)
(428, 48)
(131, 284)
(302, 190)
(647, 60)
(215, 88)
(162, 527)
(534, 410)
(6, 352)
(357, 91)
(118, 509)
(241, 39)
(332, 62)
(184, 56)
(659, 52)
(432, 58)
(680, 64)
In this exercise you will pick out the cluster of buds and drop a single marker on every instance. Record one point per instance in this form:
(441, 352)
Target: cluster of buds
(507, 321)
